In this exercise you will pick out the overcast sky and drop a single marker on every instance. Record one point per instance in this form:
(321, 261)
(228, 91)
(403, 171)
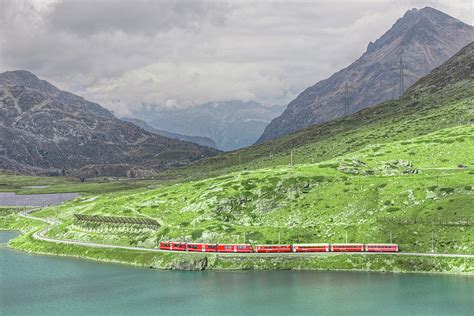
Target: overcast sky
(123, 53)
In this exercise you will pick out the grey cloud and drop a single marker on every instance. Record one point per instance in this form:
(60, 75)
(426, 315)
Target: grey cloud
(124, 53)
(89, 17)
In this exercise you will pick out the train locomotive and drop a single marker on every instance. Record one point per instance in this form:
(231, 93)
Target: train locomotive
(287, 248)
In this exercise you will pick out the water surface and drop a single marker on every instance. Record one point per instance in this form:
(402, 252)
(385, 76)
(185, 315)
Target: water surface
(13, 199)
(44, 285)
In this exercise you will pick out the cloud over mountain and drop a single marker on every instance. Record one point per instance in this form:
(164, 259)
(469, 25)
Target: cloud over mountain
(125, 53)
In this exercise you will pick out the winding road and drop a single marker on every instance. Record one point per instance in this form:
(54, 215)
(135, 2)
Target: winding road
(40, 235)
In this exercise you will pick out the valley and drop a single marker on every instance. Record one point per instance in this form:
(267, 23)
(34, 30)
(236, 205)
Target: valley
(396, 172)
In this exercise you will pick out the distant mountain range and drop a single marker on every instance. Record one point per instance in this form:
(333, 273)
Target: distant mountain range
(421, 40)
(48, 131)
(231, 125)
(203, 141)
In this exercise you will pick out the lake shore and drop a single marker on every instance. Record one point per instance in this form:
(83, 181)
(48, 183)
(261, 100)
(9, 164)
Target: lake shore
(405, 263)
(201, 262)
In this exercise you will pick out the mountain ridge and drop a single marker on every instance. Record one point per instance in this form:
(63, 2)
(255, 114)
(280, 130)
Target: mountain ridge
(200, 140)
(42, 133)
(424, 38)
(230, 124)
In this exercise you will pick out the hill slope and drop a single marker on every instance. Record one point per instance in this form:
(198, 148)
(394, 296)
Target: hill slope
(203, 141)
(425, 38)
(401, 190)
(399, 172)
(45, 130)
(420, 111)
(391, 181)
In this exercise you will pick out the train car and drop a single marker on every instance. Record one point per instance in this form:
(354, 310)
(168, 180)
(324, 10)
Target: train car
(272, 248)
(234, 248)
(381, 247)
(347, 247)
(171, 245)
(310, 247)
(198, 247)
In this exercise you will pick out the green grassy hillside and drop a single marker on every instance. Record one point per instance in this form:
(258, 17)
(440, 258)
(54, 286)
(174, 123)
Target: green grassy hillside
(408, 189)
(401, 171)
(445, 98)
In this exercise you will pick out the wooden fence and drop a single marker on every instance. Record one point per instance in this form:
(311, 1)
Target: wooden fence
(117, 220)
(454, 221)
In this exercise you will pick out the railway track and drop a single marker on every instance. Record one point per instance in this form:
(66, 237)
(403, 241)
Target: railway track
(40, 235)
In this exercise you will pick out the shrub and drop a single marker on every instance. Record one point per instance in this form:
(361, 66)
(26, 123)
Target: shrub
(447, 190)
(196, 233)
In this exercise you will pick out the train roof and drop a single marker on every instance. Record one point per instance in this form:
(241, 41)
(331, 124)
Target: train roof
(381, 244)
(200, 243)
(316, 244)
(269, 245)
(234, 244)
(347, 244)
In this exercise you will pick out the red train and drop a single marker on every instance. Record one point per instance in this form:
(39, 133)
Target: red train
(311, 247)
(247, 248)
(347, 247)
(171, 245)
(273, 248)
(381, 247)
(234, 248)
(197, 247)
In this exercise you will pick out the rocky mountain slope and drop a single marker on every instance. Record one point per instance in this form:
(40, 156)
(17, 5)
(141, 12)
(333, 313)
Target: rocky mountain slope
(203, 141)
(45, 130)
(423, 38)
(397, 172)
(442, 99)
(232, 124)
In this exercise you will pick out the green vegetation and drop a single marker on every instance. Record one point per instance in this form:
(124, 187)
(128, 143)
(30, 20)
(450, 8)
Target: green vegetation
(9, 220)
(397, 192)
(10, 182)
(388, 122)
(198, 261)
(400, 172)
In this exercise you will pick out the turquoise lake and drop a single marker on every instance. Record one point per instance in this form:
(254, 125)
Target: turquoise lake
(46, 285)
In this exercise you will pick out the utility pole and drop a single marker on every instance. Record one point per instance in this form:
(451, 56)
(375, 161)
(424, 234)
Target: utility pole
(346, 95)
(432, 241)
(401, 78)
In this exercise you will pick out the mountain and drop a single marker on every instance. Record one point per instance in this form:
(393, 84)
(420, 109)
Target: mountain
(48, 131)
(30, 81)
(231, 124)
(442, 99)
(423, 38)
(399, 172)
(203, 141)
